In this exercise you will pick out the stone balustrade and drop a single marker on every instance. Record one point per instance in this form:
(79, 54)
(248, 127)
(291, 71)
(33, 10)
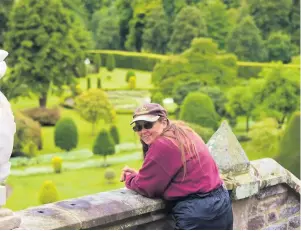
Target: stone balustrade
(265, 196)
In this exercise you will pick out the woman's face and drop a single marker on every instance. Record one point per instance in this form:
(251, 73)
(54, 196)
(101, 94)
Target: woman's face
(150, 131)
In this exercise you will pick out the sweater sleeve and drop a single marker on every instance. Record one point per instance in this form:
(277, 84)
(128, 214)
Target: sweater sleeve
(155, 175)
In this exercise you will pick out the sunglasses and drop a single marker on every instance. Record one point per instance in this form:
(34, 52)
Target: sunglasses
(145, 125)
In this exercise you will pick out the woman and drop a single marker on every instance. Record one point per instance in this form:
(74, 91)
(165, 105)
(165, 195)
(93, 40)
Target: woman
(178, 168)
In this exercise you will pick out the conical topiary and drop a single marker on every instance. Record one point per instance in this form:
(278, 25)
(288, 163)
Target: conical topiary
(115, 134)
(104, 145)
(65, 134)
(289, 149)
(48, 193)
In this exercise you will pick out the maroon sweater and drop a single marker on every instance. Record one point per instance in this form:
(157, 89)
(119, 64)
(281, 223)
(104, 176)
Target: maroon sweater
(162, 172)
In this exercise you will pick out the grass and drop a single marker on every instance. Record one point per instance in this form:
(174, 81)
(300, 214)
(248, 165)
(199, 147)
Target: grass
(69, 184)
(117, 80)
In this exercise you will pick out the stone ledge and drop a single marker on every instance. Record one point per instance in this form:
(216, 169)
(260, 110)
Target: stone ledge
(125, 209)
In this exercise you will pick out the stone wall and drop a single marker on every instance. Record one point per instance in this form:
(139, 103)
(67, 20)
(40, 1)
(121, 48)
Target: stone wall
(264, 194)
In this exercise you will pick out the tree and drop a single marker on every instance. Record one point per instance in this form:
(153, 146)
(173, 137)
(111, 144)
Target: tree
(289, 149)
(217, 21)
(125, 12)
(48, 45)
(65, 134)
(188, 24)
(240, 103)
(280, 93)
(201, 62)
(270, 16)
(246, 42)
(173, 7)
(5, 8)
(199, 109)
(94, 105)
(106, 29)
(97, 62)
(104, 145)
(156, 32)
(294, 28)
(182, 89)
(279, 47)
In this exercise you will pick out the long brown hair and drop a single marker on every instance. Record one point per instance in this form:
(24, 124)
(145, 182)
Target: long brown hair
(184, 137)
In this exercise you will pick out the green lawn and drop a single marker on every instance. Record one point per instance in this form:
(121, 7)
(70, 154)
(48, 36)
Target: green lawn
(69, 184)
(117, 80)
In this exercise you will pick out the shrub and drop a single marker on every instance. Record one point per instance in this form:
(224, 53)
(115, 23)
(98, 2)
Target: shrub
(88, 83)
(48, 193)
(264, 137)
(104, 145)
(45, 116)
(128, 75)
(110, 62)
(203, 132)
(114, 133)
(28, 131)
(110, 175)
(65, 134)
(98, 83)
(198, 108)
(289, 148)
(132, 82)
(30, 149)
(109, 77)
(97, 62)
(56, 162)
(157, 97)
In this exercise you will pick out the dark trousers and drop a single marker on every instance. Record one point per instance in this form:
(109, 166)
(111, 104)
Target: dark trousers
(208, 211)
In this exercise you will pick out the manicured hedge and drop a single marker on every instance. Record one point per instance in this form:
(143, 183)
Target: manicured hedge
(146, 62)
(132, 60)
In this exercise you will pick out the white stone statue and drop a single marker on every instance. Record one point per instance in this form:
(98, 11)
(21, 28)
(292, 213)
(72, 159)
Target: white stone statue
(7, 131)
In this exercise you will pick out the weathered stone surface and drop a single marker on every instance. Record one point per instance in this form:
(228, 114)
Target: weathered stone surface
(289, 211)
(256, 222)
(272, 217)
(47, 217)
(271, 191)
(269, 172)
(294, 222)
(280, 226)
(273, 202)
(227, 151)
(109, 207)
(248, 185)
(8, 220)
(241, 213)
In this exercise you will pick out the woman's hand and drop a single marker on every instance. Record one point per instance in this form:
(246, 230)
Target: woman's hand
(126, 171)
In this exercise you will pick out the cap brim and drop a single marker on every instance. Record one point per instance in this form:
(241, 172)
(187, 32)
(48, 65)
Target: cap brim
(148, 118)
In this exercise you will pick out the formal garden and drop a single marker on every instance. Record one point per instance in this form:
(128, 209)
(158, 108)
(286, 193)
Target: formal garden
(76, 73)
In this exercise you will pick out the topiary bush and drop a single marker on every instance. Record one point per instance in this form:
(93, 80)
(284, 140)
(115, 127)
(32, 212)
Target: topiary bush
(45, 116)
(289, 148)
(28, 133)
(110, 62)
(203, 132)
(198, 108)
(110, 175)
(65, 134)
(48, 193)
(97, 62)
(132, 82)
(57, 163)
(114, 134)
(88, 83)
(157, 97)
(104, 145)
(98, 83)
(129, 74)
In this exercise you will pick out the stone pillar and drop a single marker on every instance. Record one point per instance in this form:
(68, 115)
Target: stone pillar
(233, 163)
(7, 130)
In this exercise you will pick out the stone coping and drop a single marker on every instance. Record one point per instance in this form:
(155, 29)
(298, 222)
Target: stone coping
(123, 208)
